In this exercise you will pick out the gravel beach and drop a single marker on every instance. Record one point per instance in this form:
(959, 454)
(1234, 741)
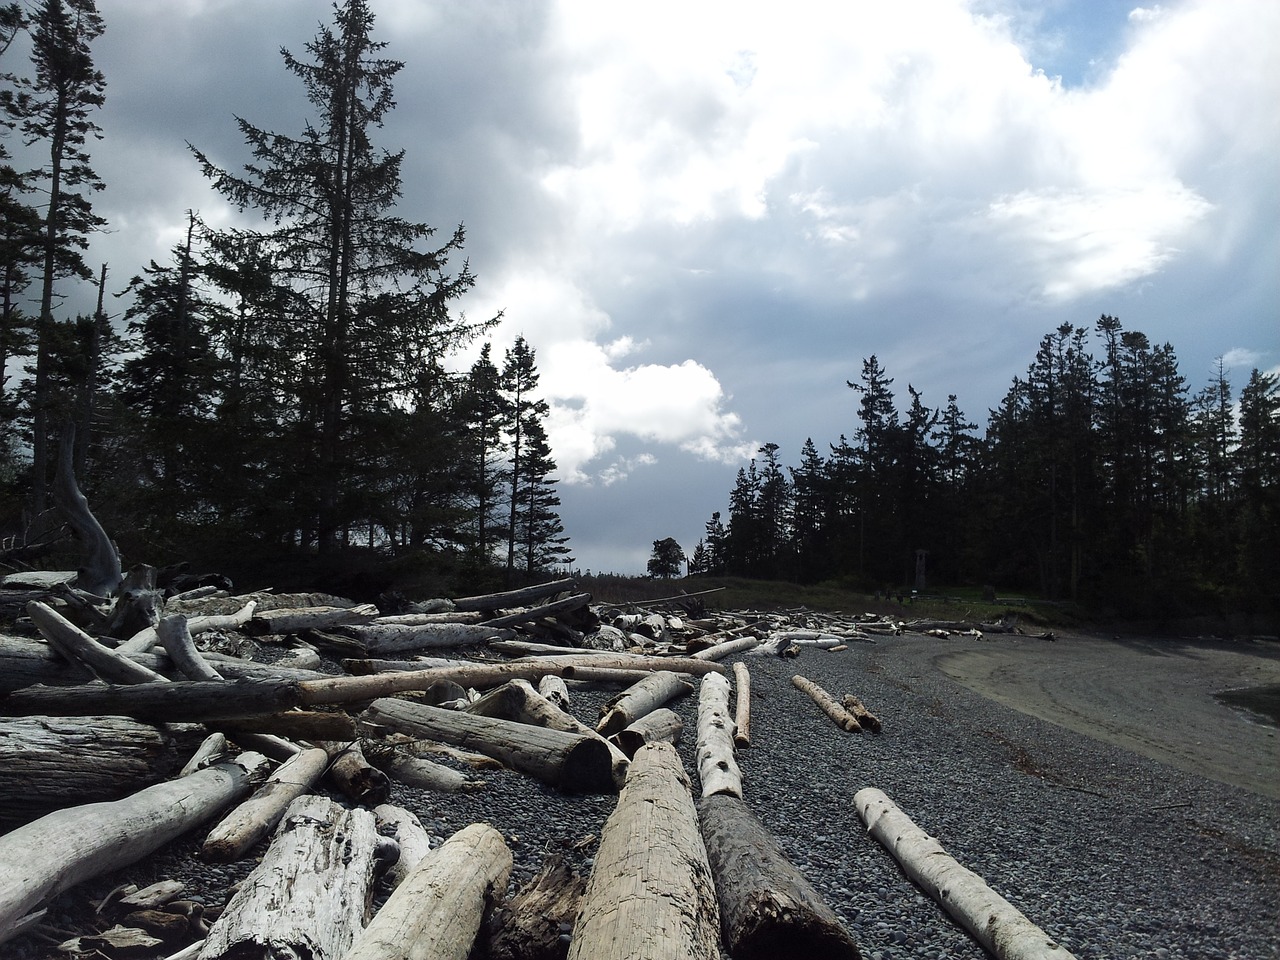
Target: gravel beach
(1095, 784)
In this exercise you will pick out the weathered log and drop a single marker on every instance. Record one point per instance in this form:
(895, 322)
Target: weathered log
(526, 648)
(660, 726)
(768, 910)
(841, 717)
(528, 615)
(517, 700)
(529, 925)
(47, 763)
(416, 772)
(866, 719)
(75, 644)
(742, 706)
(175, 637)
(717, 768)
(395, 638)
(353, 775)
(572, 762)
(296, 619)
(213, 749)
(25, 662)
(410, 836)
(145, 639)
(555, 690)
(994, 922)
(240, 830)
(292, 725)
(310, 894)
(641, 698)
(437, 910)
(194, 701)
(101, 573)
(417, 619)
(513, 598)
(75, 844)
(722, 650)
(650, 895)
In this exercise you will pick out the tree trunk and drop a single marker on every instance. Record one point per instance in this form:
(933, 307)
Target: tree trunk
(641, 698)
(572, 762)
(47, 763)
(994, 922)
(437, 910)
(252, 820)
(193, 701)
(528, 926)
(650, 896)
(310, 894)
(841, 717)
(660, 726)
(717, 769)
(56, 852)
(742, 712)
(101, 572)
(768, 910)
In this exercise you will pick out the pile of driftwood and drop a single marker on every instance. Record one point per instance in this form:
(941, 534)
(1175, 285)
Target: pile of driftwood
(125, 725)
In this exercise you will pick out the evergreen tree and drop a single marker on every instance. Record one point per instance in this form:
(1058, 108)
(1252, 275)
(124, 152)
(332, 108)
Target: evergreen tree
(1258, 464)
(716, 540)
(485, 413)
(667, 559)
(519, 383)
(537, 518)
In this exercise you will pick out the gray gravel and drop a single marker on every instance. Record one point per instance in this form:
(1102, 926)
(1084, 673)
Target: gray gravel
(1112, 854)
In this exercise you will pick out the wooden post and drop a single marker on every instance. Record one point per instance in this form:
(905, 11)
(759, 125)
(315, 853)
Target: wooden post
(75, 844)
(717, 769)
(768, 910)
(436, 911)
(994, 922)
(650, 896)
(742, 714)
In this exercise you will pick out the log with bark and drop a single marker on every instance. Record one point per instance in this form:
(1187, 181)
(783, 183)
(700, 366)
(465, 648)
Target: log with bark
(841, 717)
(768, 910)
(994, 922)
(47, 763)
(238, 832)
(633, 703)
(54, 853)
(650, 895)
(660, 726)
(742, 706)
(572, 762)
(717, 768)
(437, 910)
(310, 895)
(529, 926)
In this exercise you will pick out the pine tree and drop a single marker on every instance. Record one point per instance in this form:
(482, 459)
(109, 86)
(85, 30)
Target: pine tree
(537, 518)
(666, 560)
(484, 411)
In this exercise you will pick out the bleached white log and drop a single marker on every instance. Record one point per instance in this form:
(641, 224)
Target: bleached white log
(397, 638)
(659, 726)
(742, 706)
(555, 690)
(633, 703)
(436, 911)
(722, 650)
(175, 637)
(650, 895)
(58, 851)
(996, 924)
(76, 645)
(409, 834)
(717, 768)
(252, 820)
(830, 706)
(144, 640)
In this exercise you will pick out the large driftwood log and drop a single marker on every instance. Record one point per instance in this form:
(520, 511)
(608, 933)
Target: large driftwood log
(529, 925)
(660, 726)
(252, 820)
(382, 638)
(994, 922)
(192, 701)
(47, 763)
(717, 768)
(75, 644)
(722, 650)
(742, 706)
(437, 910)
(527, 648)
(292, 725)
(650, 896)
(572, 762)
(25, 662)
(768, 910)
(513, 598)
(101, 572)
(310, 895)
(75, 844)
(641, 698)
(297, 619)
(841, 717)
(410, 836)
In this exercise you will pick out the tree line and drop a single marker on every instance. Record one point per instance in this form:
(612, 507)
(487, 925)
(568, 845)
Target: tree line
(290, 388)
(1101, 479)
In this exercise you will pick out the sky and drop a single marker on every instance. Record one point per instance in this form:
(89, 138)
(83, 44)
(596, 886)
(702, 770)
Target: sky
(704, 216)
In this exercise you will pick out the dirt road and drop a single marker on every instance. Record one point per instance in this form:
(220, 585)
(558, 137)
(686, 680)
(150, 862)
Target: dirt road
(1155, 697)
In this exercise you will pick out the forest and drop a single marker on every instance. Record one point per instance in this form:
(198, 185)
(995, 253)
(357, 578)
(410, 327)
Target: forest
(1101, 479)
(267, 394)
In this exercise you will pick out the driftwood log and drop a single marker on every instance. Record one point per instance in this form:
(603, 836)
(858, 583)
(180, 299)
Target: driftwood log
(410, 836)
(742, 706)
(145, 639)
(660, 726)
(175, 637)
(841, 717)
(555, 608)
(721, 650)
(994, 922)
(572, 762)
(436, 911)
(717, 768)
(310, 895)
(379, 639)
(866, 719)
(650, 895)
(239, 831)
(76, 645)
(352, 775)
(528, 926)
(417, 772)
(54, 853)
(768, 910)
(513, 598)
(641, 698)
